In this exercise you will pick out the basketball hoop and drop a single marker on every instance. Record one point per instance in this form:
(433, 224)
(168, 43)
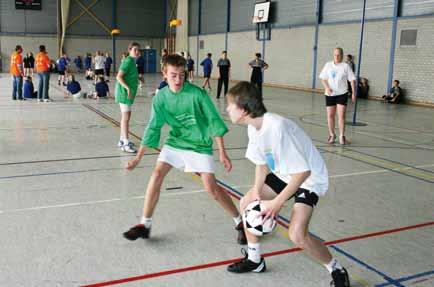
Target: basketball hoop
(257, 19)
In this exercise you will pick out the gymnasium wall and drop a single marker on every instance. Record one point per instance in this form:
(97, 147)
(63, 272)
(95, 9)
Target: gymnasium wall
(290, 50)
(142, 21)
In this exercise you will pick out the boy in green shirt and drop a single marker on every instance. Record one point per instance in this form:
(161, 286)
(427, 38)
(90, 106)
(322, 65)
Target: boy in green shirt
(125, 93)
(194, 120)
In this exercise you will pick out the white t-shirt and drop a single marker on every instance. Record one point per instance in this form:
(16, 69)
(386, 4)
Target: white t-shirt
(337, 76)
(99, 62)
(286, 149)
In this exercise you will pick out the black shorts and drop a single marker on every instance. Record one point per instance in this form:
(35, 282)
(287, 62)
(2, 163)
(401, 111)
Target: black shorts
(107, 72)
(301, 196)
(140, 70)
(336, 100)
(99, 72)
(62, 73)
(207, 75)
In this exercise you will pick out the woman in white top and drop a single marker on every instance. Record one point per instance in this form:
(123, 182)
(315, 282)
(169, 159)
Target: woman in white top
(335, 77)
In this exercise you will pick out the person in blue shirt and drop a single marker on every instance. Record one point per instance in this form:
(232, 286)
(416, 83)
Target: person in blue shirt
(88, 66)
(190, 68)
(207, 69)
(101, 89)
(140, 63)
(78, 63)
(73, 88)
(107, 65)
(29, 90)
(62, 63)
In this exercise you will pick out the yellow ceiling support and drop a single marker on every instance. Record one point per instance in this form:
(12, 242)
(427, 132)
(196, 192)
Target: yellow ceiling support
(81, 13)
(88, 11)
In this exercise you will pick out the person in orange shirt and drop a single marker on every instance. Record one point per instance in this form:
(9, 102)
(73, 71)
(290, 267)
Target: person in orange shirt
(43, 70)
(17, 73)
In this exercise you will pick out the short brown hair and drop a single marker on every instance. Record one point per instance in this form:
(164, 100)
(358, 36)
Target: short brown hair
(247, 97)
(132, 44)
(174, 60)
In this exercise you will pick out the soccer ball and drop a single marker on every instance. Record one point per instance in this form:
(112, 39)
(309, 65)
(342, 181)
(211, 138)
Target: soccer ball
(254, 222)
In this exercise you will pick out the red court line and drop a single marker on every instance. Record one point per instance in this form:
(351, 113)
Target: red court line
(274, 253)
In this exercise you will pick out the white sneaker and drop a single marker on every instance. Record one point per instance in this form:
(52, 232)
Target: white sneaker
(47, 100)
(39, 100)
(128, 148)
(120, 143)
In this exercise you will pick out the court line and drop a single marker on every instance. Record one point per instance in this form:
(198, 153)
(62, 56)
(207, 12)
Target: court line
(408, 278)
(411, 171)
(90, 158)
(226, 262)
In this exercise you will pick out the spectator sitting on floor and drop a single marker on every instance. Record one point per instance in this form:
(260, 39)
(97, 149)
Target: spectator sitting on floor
(29, 90)
(73, 88)
(101, 89)
(363, 88)
(394, 94)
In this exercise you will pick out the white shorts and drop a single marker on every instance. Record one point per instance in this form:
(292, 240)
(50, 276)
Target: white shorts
(125, 108)
(189, 160)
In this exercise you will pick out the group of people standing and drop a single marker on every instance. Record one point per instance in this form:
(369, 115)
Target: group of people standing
(20, 68)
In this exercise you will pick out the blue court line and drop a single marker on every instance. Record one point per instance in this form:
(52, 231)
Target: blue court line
(407, 278)
(390, 280)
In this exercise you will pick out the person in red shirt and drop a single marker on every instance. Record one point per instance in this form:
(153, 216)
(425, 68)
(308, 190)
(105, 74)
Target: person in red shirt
(17, 73)
(43, 69)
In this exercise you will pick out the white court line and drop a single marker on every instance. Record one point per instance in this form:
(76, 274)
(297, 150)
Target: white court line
(101, 201)
(184, 192)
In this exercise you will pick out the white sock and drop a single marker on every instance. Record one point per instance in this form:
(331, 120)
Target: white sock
(237, 220)
(146, 221)
(333, 265)
(254, 251)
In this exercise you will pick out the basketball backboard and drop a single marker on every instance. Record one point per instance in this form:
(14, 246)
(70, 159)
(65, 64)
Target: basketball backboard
(261, 12)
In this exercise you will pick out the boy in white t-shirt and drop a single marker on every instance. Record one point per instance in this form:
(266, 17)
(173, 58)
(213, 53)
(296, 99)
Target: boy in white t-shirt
(287, 165)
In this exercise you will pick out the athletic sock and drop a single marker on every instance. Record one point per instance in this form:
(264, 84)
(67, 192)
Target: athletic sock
(146, 221)
(333, 265)
(254, 252)
(237, 220)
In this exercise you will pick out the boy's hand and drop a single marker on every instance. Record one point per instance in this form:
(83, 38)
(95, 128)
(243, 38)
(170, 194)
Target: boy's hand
(250, 196)
(132, 163)
(129, 93)
(272, 208)
(224, 159)
(329, 91)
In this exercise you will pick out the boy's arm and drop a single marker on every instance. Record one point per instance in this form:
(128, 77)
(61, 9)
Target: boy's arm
(272, 207)
(325, 83)
(120, 79)
(261, 172)
(224, 159)
(151, 135)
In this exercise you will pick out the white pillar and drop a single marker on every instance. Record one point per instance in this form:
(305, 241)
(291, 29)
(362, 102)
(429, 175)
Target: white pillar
(182, 30)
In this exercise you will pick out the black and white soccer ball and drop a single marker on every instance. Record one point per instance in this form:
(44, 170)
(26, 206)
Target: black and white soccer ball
(254, 222)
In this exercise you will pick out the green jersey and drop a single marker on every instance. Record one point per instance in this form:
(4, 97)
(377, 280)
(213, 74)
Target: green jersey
(193, 118)
(128, 67)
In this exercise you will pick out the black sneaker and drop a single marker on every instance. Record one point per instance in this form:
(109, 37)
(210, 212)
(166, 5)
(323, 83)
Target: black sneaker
(137, 231)
(241, 239)
(245, 265)
(340, 278)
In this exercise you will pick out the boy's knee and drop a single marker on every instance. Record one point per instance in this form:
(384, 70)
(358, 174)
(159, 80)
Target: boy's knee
(298, 237)
(158, 175)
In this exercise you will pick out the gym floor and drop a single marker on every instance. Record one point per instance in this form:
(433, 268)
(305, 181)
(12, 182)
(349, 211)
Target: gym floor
(66, 199)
